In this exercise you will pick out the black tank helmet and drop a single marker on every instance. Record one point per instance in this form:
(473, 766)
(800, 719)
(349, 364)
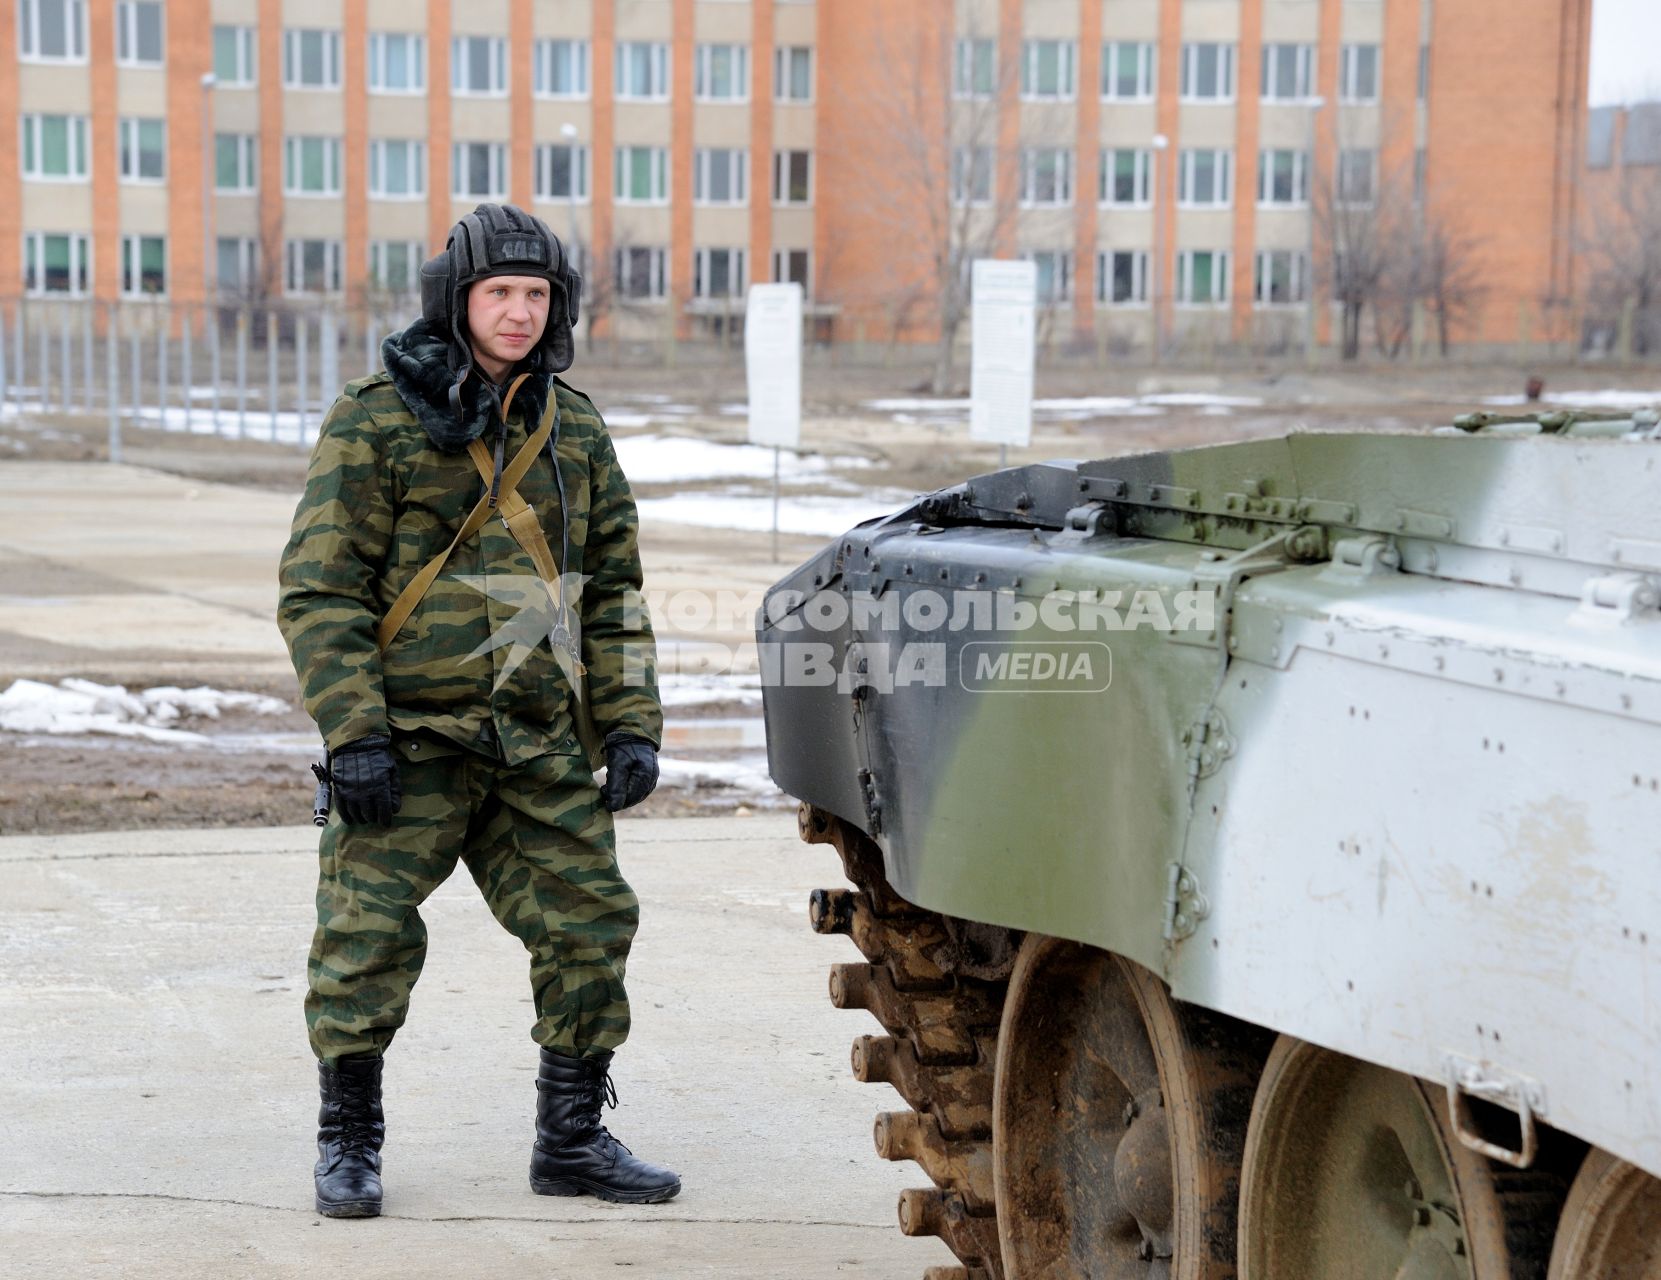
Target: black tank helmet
(500, 240)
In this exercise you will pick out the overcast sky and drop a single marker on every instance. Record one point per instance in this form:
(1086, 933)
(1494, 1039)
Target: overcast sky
(1626, 51)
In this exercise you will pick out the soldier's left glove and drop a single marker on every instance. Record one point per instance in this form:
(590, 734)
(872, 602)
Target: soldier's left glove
(631, 770)
(365, 777)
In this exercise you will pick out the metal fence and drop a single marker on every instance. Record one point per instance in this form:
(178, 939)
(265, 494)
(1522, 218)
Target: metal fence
(259, 373)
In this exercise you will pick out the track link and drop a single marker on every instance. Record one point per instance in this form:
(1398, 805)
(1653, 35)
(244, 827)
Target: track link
(940, 1050)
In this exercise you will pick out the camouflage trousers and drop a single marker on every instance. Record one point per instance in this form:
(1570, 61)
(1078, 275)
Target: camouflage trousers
(539, 845)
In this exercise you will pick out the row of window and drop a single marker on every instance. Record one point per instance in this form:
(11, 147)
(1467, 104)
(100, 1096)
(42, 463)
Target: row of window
(1281, 277)
(397, 63)
(1049, 71)
(62, 264)
(1205, 177)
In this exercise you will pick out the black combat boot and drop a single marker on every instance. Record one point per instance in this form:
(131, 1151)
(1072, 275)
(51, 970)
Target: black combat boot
(350, 1127)
(574, 1154)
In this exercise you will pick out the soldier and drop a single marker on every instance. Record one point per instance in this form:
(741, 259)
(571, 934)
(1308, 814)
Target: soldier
(465, 703)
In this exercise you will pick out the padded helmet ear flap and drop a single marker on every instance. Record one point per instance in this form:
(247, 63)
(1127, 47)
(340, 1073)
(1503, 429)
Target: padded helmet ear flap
(438, 287)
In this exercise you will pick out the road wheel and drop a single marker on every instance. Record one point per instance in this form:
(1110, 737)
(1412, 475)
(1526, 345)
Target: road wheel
(1353, 1172)
(1118, 1122)
(1611, 1224)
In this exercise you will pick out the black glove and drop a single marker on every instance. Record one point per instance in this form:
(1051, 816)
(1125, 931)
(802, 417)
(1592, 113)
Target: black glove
(364, 775)
(631, 770)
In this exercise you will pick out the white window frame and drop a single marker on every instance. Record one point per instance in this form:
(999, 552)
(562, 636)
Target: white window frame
(738, 278)
(782, 56)
(1303, 72)
(546, 56)
(377, 57)
(1349, 81)
(380, 253)
(657, 71)
(77, 147)
(247, 164)
(132, 248)
(781, 184)
(658, 179)
(461, 67)
(496, 169)
(128, 130)
(703, 60)
(781, 268)
(966, 62)
(1031, 158)
(1147, 71)
(34, 264)
(1222, 173)
(543, 170)
(657, 271)
(1062, 259)
(293, 165)
(415, 154)
(293, 37)
(126, 34)
(1185, 278)
(1300, 178)
(294, 266)
(1142, 177)
(1228, 70)
(75, 33)
(1066, 70)
(246, 72)
(1139, 278)
(703, 161)
(977, 162)
(1297, 272)
(248, 261)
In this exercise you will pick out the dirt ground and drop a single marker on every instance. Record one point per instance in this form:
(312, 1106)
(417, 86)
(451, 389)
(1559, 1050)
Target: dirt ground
(95, 782)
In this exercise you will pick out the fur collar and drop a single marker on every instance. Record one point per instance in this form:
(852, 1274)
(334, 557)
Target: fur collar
(417, 360)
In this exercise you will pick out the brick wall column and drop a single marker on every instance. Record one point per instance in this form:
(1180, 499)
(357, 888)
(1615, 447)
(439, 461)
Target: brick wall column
(11, 181)
(106, 158)
(1323, 169)
(521, 77)
(605, 124)
(1167, 114)
(680, 162)
(761, 140)
(355, 103)
(1008, 192)
(1087, 165)
(270, 75)
(440, 124)
(1248, 92)
(189, 35)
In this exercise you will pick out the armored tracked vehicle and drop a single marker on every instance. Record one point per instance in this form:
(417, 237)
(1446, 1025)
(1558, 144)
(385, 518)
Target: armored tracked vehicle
(1256, 852)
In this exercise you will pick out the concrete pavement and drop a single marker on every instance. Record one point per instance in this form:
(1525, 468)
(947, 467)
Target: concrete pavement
(158, 1100)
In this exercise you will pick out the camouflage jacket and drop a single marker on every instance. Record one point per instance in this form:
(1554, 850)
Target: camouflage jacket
(389, 484)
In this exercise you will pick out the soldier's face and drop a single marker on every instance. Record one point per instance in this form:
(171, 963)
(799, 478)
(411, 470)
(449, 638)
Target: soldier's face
(506, 316)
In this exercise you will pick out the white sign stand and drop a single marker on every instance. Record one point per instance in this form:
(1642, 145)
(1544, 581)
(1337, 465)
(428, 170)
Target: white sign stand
(773, 369)
(1003, 333)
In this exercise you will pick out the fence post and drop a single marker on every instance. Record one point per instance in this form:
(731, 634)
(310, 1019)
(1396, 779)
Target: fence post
(64, 399)
(371, 348)
(165, 312)
(43, 375)
(89, 377)
(17, 354)
(5, 383)
(302, 339)
(137, 360)
(241, 372)
(272, 338)
(187, 360)
(328, 360)
(112, 367)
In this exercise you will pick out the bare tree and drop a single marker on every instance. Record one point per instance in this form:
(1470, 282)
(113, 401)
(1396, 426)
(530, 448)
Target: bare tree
(1363, 238)
(1623, 246)
(931, 129)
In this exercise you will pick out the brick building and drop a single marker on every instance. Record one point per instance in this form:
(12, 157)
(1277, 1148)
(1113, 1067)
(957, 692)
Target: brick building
(1164, 161)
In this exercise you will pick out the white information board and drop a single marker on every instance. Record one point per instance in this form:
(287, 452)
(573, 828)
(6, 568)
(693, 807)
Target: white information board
(1003, 333)
(773, 364)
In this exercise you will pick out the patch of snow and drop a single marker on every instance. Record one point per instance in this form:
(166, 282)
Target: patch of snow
(624, 418)
(673, 459)
(812, 516)
(75, 706)
(1609, 398)
(703, 689)
(747, 776)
